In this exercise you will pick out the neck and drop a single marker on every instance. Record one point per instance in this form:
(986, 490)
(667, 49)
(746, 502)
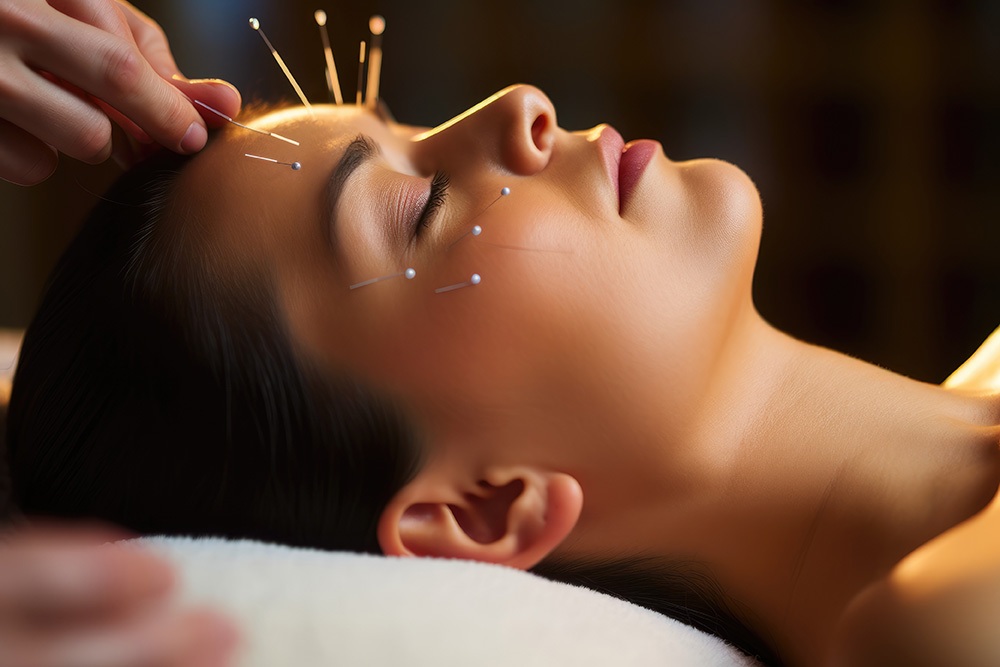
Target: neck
(823, 472)
(836, 470)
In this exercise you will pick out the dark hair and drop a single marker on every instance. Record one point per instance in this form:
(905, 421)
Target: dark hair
(155, 395)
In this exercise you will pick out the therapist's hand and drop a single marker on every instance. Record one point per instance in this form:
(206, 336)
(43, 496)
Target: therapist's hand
(68, 68)
(65, 600)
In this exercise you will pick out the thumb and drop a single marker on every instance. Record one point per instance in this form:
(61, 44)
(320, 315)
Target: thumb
(216, 93)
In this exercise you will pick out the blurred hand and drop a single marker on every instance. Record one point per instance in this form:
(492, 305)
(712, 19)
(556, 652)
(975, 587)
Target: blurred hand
(68, 68)
(65, 600)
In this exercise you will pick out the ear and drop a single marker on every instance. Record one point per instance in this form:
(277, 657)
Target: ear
(512, 516)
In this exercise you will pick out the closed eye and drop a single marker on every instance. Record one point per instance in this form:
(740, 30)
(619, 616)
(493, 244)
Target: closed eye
(437, 198)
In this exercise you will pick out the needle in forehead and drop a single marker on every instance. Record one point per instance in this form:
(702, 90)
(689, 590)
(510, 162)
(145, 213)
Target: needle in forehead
(377, 26)
(247, 127)
(294, 165)
(361, 74)
(332, 80)
(255, 24)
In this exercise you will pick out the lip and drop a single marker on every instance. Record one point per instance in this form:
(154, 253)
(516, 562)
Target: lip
(635, 157)
(611, 145)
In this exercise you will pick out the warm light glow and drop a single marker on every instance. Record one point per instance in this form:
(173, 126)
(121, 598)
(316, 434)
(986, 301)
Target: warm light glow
(440, 128)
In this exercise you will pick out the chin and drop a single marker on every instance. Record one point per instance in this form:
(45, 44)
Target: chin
(723, 201)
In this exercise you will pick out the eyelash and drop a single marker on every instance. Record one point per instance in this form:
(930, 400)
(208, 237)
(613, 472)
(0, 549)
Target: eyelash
(438, 196)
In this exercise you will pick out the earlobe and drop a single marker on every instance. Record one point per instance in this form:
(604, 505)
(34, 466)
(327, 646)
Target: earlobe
(513, 516)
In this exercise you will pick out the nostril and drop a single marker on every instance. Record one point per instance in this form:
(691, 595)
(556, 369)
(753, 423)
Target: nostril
(539, 132)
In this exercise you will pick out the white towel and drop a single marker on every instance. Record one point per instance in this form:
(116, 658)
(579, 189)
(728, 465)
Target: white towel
(304, 607)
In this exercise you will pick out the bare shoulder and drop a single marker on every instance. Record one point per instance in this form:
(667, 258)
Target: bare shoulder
(981, 371)
(10, 343)
(939, 606)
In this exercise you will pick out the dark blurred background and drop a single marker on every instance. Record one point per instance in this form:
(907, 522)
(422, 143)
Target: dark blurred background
(872, 129)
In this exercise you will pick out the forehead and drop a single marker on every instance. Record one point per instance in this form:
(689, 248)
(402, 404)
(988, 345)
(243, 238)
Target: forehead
(244, 207)
(327, 118)
(221, 179)
(317, 118)
(222, 173)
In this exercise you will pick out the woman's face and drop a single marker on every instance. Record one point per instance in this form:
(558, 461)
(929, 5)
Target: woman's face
(605, 297)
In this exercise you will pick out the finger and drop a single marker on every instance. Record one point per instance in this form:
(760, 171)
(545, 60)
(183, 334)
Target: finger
(150, 39)
(50, 580)
(110, 17)
(131, 128)
(104, 14)
(216, 93)
(24, 159)
(55, 115)
(117, 72)
(48, 532)
(161, 638)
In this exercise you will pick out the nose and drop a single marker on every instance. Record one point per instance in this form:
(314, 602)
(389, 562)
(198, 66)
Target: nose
(515, 129)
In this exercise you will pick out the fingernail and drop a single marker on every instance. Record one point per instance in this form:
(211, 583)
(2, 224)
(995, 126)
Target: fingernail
(194, 139)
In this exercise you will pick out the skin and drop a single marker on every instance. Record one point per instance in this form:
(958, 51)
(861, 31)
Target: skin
(613, 391)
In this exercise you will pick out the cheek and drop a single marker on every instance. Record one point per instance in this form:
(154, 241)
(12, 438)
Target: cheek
(550, 282)
(563, 299)
(478, 342)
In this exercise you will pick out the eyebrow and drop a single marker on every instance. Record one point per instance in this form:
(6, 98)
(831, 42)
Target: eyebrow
(360, 150)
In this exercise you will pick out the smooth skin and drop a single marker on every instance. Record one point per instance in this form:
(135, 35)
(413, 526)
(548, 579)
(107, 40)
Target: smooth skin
(609, 388)
(69, 69)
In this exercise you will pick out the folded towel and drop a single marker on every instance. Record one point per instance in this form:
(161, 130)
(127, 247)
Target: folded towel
(304, 607)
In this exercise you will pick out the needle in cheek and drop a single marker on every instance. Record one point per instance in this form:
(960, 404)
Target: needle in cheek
(476, 230)
(409, 274)
(474, 280)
